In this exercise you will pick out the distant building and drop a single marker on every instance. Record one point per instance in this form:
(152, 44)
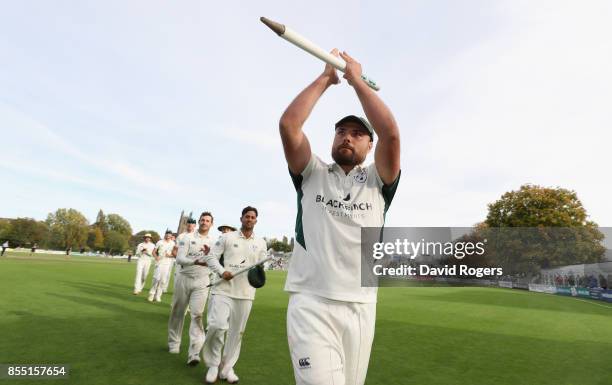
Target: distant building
(182, 225)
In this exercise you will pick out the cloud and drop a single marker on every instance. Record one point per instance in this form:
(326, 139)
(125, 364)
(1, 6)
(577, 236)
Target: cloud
(30, 132)
(528, 104)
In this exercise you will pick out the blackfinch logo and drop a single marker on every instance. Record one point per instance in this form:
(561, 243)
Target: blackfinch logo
(336, 204)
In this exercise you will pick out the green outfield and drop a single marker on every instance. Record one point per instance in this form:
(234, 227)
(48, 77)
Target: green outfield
(80, 311)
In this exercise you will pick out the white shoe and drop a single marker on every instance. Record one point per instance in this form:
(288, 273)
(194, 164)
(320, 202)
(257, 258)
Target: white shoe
(174, 350)
(230, 376)
(150, 299)
(211, 375)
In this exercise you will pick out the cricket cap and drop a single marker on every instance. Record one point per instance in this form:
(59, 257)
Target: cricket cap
(360, 121)
(257, 276)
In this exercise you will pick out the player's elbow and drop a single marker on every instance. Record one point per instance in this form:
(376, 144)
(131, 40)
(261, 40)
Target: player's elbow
(288, 125)
(284, 127)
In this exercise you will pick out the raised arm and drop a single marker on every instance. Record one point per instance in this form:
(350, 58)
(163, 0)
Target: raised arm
(295, 143)
(387, 152)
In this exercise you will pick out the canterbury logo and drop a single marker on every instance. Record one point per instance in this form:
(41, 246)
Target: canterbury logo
(304, 363)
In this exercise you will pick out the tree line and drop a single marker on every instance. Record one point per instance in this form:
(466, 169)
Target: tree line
(69, 229)
(561, 231)
(536, 228)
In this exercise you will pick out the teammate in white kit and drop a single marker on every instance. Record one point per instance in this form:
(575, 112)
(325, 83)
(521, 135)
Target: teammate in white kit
(144, 252)
(163, 263)
(226, 229)
(190, 228)
(169, 272)
(231, 300)
(191, 289)
(330, 317)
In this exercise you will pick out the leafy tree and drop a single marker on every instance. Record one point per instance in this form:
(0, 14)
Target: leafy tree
(101, 222)
(137, 238)
(119, 224)
(68, 228)
(538, 227)
(95, 239)
(115, 242)
(533, 206)
(5, 226)
(26, 231)
(277, 245)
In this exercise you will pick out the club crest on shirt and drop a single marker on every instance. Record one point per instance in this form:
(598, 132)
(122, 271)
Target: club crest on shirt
(361, 176)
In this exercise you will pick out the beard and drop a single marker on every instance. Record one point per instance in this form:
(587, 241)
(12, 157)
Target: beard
(346, 158)
(247, 227)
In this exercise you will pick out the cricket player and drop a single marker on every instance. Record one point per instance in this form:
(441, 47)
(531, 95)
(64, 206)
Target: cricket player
(144, 252)
(169, 272)
(226, 229)
(330, 317)
(231, 300)
(191, 227)
(163, 263)
(191, 289)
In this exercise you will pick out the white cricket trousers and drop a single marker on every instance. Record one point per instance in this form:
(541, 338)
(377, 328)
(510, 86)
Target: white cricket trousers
(142, 271)
(167, 281)
(329, 341)
(177, 270)
(225, 316)
(160, 277)
(190, 291)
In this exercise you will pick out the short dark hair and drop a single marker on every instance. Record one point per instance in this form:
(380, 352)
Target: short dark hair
(207, 214)
(249, 208)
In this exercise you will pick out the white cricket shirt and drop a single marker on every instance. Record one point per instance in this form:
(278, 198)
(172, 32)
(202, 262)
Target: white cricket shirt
(332, 208)
(164, 251)
(238, 252)
(145, 249)
(189, 250)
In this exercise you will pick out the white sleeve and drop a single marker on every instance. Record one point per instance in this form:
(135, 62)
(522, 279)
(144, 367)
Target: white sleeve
(181, 255)
(313, 164)
(212, 259)
(264, 251)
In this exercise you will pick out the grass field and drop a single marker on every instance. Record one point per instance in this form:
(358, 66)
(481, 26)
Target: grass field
(80, 311)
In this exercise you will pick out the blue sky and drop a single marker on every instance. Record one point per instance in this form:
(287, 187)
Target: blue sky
(146, 108)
